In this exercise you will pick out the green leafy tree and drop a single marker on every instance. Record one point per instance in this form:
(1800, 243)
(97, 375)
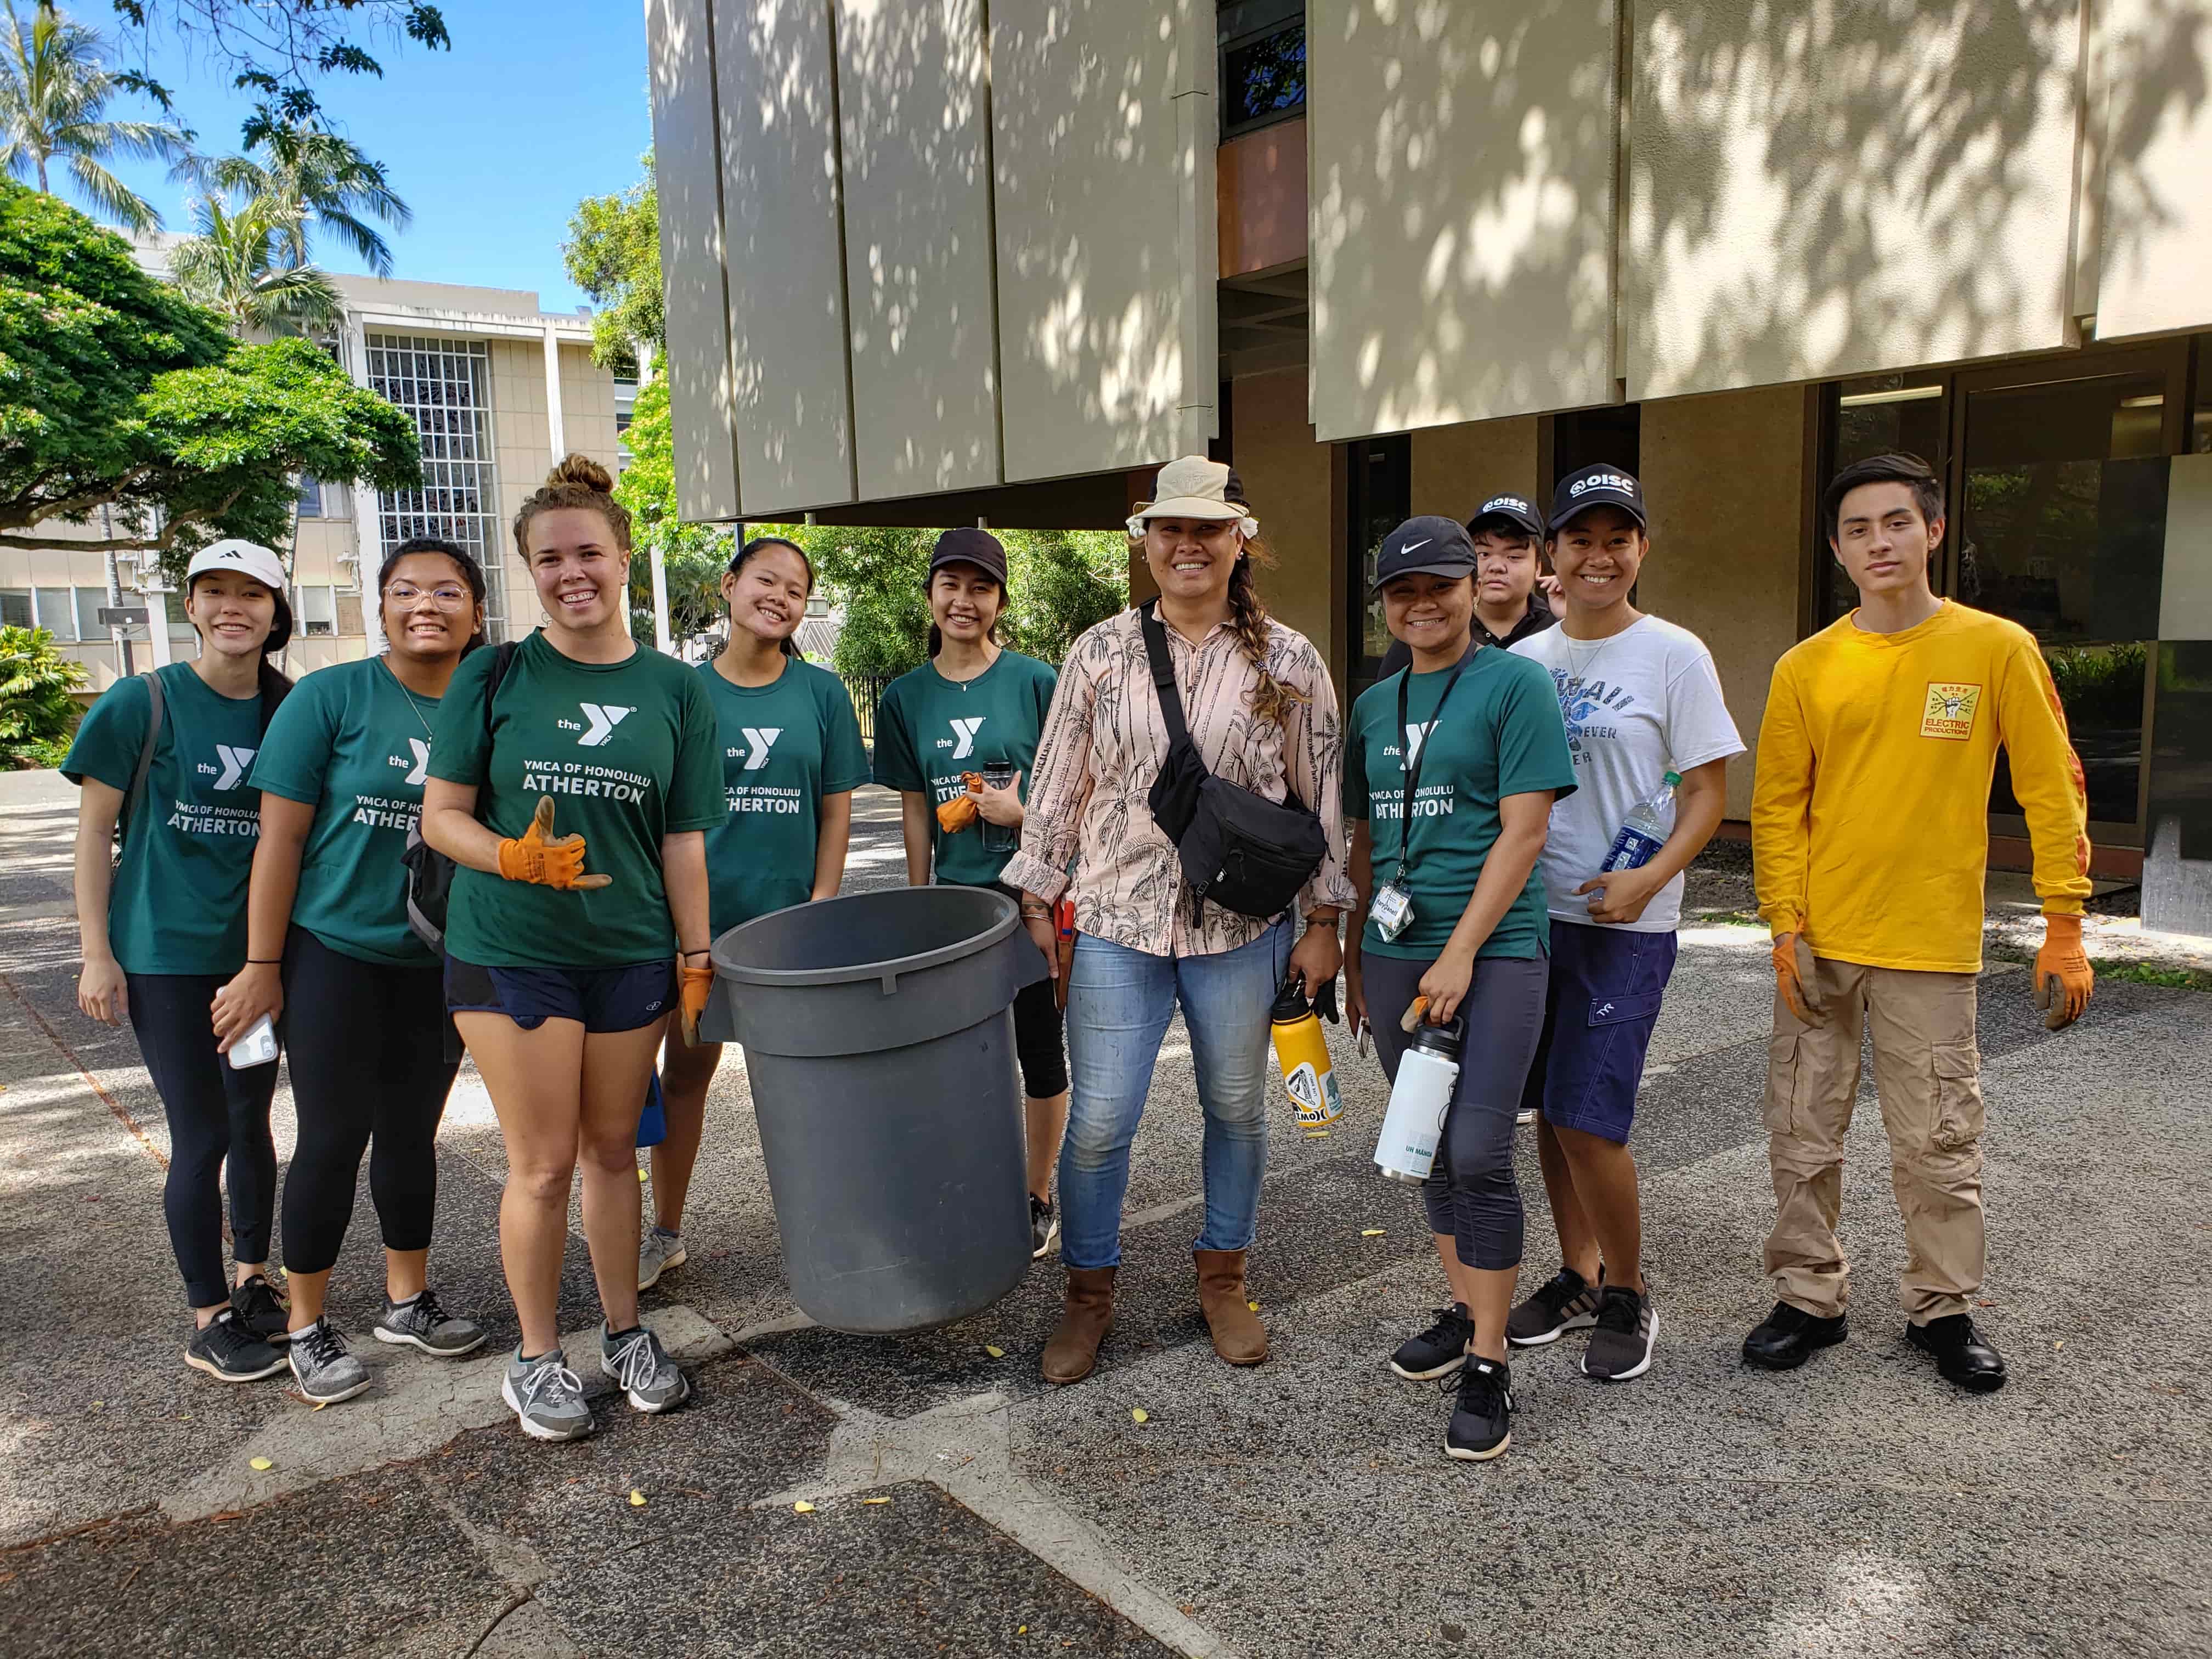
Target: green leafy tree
(54, 90)
(36, 710)
(118, 392)
(613, 254)
(245, 262)
(693, 555)
(314, 180)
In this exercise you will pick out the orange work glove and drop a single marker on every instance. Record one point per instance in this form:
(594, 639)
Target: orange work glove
(957, 814)
(693, 985)
(2064, 981)
(1794, 976)
(534, 856)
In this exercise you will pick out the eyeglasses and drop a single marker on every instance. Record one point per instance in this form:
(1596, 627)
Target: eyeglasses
(447, 596)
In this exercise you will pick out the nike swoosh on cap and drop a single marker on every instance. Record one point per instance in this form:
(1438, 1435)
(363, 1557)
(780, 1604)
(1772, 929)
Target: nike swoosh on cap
(1418, 545)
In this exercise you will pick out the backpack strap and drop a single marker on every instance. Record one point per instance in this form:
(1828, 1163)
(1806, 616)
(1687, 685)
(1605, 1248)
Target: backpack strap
(1163, 679)
(502, 665)
(138, 774)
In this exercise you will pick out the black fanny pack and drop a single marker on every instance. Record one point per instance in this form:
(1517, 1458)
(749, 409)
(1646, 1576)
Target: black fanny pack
(1248, 855)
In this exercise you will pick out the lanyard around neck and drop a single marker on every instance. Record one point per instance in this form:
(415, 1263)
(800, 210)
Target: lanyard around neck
(1412, 767)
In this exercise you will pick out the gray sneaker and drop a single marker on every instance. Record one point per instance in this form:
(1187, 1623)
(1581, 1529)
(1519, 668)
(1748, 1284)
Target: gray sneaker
(326, 1372)
(657, 1252)
(642, 1370)
(421, 1323)
(1620, 1346)
(547, 1397)
(1566, 1303)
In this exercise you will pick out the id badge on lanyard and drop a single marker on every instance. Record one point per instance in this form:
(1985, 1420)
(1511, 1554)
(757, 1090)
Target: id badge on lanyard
(1392, 909)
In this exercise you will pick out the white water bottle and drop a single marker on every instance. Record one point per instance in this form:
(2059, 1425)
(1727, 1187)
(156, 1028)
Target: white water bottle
(1414, 1124)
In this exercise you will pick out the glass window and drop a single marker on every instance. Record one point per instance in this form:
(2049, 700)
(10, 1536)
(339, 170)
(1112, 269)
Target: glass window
(310, 497)
(88, 602)
(15, 607)
(1263, 62)
(2199, 439)
(1380, 479)
(318, 612)
(446, 385)
(56, 613)
(1880, 415)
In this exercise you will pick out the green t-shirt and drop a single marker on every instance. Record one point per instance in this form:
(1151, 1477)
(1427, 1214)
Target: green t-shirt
(354, 743)
(929, 730)
(785, 745)
(178, 903)
(1500, 735)
(627, 752)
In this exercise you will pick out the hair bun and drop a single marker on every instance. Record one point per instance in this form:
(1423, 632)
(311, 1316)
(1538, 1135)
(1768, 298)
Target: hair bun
(574, 469)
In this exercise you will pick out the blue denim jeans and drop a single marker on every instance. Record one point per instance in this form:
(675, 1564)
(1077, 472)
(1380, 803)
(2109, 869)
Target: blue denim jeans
(1118, 1002)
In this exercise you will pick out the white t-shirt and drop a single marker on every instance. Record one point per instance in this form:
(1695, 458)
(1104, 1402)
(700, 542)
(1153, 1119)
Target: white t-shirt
(1638, 705)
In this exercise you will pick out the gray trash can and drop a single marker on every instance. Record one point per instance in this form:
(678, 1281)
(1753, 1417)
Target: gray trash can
(878, 1032)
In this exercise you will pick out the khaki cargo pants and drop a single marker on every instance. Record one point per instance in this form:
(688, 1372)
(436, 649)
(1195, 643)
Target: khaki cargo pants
(1927, 1070)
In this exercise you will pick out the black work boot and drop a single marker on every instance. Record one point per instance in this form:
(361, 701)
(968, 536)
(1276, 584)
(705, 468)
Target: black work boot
(1789, 1335)
(1962, 1353)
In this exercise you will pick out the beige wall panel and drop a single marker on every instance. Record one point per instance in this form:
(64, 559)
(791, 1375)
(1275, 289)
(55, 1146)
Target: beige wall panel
(2185, 600)
(1726, 540)
(687, 163)
(1462, 209)
(774, 96)
(1103, 187)
(1831, 187)
(914, 116)
(1286, 473)
(1457, 468)
(2155, 267)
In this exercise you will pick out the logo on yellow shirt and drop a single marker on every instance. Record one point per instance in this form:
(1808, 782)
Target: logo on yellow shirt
(1950, 710)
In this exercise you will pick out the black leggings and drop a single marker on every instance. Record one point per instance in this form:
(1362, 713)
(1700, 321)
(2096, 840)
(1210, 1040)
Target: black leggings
(1473, 1194)
(367, 1045)
(218, 1118)
(1040, 1028)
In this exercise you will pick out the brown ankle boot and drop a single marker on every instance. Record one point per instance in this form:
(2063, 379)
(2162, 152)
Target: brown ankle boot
(1238, 1336)
(1073, 1349)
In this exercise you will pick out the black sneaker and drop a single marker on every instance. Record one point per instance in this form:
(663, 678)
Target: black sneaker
(1962, 1353)
(1787, 1338)
(229, 1352)
(1567, 1302)
(1481, 1419)
(1439, 1349)
(1621, 1345)
(261, 1311)
(1044, 1226)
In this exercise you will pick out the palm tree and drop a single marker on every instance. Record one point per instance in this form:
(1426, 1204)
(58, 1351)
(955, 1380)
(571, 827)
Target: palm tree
(313, 172)
(240, 264)
(53, 89)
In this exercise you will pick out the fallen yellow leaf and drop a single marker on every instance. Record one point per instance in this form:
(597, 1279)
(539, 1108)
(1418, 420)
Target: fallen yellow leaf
(1371, 1232)
(872, 1501)
(2060, 1343)
(636, 1499)
(1316, 1134)
(259, 1463)
(641, 1174)
(1021, 1629)
(995, 1352)
(1254, 1306)
(1140, 1414)
(803, 1507)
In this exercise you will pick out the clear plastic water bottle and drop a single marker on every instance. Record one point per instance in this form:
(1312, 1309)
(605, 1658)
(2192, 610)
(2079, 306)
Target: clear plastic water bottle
(1650, 821)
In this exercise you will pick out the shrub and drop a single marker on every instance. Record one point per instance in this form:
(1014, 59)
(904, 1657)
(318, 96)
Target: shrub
(37, 712)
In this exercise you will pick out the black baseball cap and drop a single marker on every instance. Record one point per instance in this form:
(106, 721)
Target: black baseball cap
(1516, 511)
(1427, 546)
(1603, 485)
(977, 547)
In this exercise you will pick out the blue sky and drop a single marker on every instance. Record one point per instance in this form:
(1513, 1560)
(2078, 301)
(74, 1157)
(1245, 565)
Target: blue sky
(537, 106)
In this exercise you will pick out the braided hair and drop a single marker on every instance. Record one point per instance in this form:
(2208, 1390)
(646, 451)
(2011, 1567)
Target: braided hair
(1271, 699)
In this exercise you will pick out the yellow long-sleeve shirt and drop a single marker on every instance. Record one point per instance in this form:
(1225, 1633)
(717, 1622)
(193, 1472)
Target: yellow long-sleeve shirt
(1869, 814)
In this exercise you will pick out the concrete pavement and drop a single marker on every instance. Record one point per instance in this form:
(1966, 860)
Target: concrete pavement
(1858, 1506)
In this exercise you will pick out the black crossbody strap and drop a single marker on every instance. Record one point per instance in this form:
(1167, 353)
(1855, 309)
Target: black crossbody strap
(1163, 679)
(1412, 772)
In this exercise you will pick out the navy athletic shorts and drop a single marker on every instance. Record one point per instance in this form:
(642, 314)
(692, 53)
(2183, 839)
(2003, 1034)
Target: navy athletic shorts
(602, 999)
(1599, 1010)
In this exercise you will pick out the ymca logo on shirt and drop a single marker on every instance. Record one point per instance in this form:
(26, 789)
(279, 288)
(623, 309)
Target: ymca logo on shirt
(603, 718)
(235, 764)
(1413, 736)
(759, 741)
(963, 740)
(1950, 709)
(421, 771)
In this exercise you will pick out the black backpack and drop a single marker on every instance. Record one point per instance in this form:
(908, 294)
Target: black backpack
(1244, 852)
(430, 873)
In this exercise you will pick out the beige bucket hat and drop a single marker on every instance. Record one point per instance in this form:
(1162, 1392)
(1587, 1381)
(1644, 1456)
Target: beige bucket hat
(1192, 487)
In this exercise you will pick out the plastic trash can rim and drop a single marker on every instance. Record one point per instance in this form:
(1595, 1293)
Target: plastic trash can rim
(890, 970)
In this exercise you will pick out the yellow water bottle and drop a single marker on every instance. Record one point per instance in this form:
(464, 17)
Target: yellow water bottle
(1302, 1054)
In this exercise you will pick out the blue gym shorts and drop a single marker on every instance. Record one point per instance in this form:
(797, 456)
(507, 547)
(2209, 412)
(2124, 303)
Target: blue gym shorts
(1599, 1010)
(601, 999)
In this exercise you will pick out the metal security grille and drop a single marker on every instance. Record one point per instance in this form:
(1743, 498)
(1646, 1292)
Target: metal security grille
(446, 385)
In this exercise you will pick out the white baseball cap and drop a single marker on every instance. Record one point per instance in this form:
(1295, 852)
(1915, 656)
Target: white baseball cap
(247, 558)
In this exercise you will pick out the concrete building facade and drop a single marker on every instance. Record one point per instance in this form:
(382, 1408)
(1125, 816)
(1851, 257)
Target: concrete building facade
(933, 261)
(497, 388)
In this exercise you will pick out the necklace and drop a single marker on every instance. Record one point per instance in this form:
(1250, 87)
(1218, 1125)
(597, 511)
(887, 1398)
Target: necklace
(1578, 668)
(410, 696)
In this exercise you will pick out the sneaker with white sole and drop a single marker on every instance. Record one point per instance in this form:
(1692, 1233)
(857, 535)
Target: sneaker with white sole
(1481, 1425)
(1620, 1345)
(546, 1397)
(1566, 1302)
(261, 1311)
(1044, 1226)
(1437, 1351)
(229, 1352)
(641, 1369)
(657, 1252)
(422, 1322)
(325, 1370)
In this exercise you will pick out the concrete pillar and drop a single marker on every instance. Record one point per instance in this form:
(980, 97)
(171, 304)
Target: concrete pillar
(554, 427)
(367, 520)
(2177, 876)
(660, 635)
(157, 620)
